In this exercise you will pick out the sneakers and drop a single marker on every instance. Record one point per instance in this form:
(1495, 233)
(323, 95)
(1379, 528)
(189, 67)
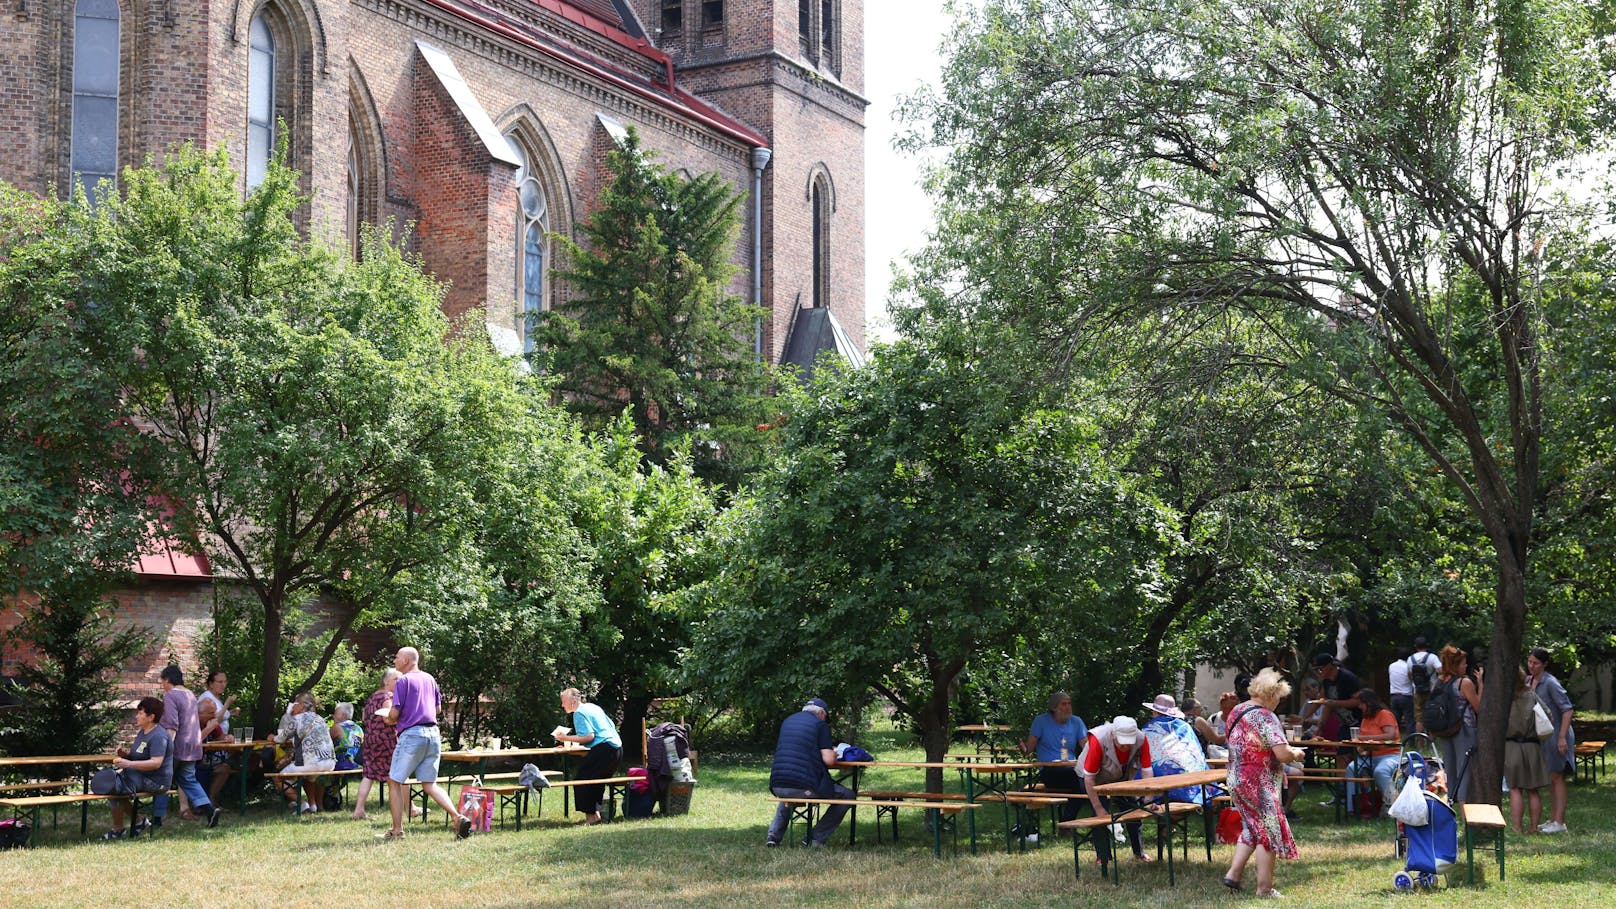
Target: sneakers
(111, 835)
(214, 815)
(771, 843)
(305, 808)
(462, 827)
(1552, 827)
(1332, 800)
(1031, 838)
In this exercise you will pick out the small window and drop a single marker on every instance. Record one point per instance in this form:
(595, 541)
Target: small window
(712, 13)
(673, 16)
(94, 154)
(260, 101)
(827, 31)
(805, 26)
(355, 186)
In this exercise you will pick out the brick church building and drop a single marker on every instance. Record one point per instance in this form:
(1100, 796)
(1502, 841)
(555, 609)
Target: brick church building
(483, 122)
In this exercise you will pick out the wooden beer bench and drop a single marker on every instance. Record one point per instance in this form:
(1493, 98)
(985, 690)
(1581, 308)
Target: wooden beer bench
(946, 814)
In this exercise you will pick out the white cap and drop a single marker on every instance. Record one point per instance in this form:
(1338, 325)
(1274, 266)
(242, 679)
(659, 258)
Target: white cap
(1124, 730)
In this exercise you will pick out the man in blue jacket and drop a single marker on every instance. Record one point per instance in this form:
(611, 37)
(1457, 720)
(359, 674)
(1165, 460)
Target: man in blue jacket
(801, 757)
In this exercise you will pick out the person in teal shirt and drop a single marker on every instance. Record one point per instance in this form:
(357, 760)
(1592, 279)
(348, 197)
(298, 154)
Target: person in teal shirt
(593, 729)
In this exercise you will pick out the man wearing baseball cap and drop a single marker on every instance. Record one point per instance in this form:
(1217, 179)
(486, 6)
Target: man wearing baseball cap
(1115, 752)
(801, 756)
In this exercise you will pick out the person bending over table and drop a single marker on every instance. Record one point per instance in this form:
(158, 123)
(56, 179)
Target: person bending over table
(1257, 755)
(1056, 736)
(593, 729)
(1114, 752)
(802, 756)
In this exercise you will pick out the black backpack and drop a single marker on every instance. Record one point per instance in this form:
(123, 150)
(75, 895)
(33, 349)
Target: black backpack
(1442, 715)
(1419, 672)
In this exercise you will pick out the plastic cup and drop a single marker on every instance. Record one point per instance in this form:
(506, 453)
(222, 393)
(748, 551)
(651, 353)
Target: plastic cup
(247, 734)
(1352, 733)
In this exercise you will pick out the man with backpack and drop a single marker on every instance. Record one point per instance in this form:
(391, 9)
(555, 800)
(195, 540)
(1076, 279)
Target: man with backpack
(1423, 669)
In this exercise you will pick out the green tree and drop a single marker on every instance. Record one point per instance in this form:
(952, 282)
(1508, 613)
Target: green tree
(78, 653)
(1374, 182)
(649, 323)
(650, 526)
(75, 475)
(324, 429)
(929, 513)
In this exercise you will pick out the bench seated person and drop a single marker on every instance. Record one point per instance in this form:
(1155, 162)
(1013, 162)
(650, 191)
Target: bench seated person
(146, 766)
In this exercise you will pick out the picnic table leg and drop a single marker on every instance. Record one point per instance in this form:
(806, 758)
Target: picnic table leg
(970, 796)
(242, 784)
(936, 830)
(84, 807)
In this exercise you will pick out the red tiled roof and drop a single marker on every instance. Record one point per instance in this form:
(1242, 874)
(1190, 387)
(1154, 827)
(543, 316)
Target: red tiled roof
(662, 92)
(168, 561)
(600, 9)
(165, 558)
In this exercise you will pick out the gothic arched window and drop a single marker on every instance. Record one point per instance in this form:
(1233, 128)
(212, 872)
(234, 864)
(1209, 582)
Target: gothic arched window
(821, 214)
(261, 90)
(96, 60)
(532, 245)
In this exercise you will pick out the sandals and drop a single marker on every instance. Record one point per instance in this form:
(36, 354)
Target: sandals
(390, 835)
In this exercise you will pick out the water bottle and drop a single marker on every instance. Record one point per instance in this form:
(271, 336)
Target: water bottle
(1066, 752)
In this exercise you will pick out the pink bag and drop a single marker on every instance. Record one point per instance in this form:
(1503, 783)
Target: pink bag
(475, 804)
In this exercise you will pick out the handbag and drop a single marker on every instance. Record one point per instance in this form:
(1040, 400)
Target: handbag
(1229, 827)
(1540, 720)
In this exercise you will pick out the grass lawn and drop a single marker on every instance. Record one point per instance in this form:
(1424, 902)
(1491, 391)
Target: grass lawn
(714, 856)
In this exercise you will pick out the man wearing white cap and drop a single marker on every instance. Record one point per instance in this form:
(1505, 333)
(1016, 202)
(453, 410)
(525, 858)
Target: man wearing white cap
(1115, 752)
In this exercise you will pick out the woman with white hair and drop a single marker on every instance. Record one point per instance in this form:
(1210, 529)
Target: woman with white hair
(1258, 753)
(376, 750)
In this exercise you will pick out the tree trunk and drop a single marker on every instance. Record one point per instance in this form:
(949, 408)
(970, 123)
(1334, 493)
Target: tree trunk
(934, 735)
(269, 679)
(1486, 771)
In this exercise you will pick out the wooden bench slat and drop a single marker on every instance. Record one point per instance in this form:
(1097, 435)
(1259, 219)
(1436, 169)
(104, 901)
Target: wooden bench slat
(1088, 823)
(1482, 815)
(899, 794)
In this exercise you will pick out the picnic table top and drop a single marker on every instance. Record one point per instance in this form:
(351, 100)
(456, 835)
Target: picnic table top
(236, 746)
(479, 754)
(1157, 785)
(43, 760)
(981, 727)
(944, 765)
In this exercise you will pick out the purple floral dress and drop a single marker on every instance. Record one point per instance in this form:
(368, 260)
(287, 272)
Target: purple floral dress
(1256, 779)
(376, 751)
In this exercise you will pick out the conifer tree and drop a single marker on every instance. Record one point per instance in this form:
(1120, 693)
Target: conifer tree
(649, 322)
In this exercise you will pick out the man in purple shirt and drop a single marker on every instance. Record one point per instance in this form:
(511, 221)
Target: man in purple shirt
(415, 712)
(185, 732)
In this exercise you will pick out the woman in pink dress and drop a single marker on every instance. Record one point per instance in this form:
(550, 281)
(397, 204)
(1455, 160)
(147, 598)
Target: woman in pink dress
(1258, 754)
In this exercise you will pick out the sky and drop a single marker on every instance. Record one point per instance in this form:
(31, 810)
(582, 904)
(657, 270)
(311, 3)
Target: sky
(901, 54)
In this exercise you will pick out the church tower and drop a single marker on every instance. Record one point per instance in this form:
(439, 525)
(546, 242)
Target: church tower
(794, 71)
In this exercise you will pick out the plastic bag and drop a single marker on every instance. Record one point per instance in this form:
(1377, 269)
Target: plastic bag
(1540, 719)
(1410, 807)
(1229, 827)
(475, 804)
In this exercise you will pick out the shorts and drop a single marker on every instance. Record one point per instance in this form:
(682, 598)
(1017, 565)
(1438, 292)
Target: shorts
(416, 754)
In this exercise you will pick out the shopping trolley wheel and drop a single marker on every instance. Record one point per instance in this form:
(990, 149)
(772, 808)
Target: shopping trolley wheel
(1402, 881)
(1427, 880)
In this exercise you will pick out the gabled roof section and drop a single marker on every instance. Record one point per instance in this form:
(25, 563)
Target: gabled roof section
(659, 89)
(448, 75)
(815, 331)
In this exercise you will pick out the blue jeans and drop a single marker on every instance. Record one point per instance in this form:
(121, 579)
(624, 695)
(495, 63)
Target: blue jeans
(829, 818)
(416, 754)
(184, 781)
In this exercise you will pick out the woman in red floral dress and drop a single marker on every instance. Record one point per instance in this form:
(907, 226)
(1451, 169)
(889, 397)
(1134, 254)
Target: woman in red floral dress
(376, 750)
(1258, 754)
